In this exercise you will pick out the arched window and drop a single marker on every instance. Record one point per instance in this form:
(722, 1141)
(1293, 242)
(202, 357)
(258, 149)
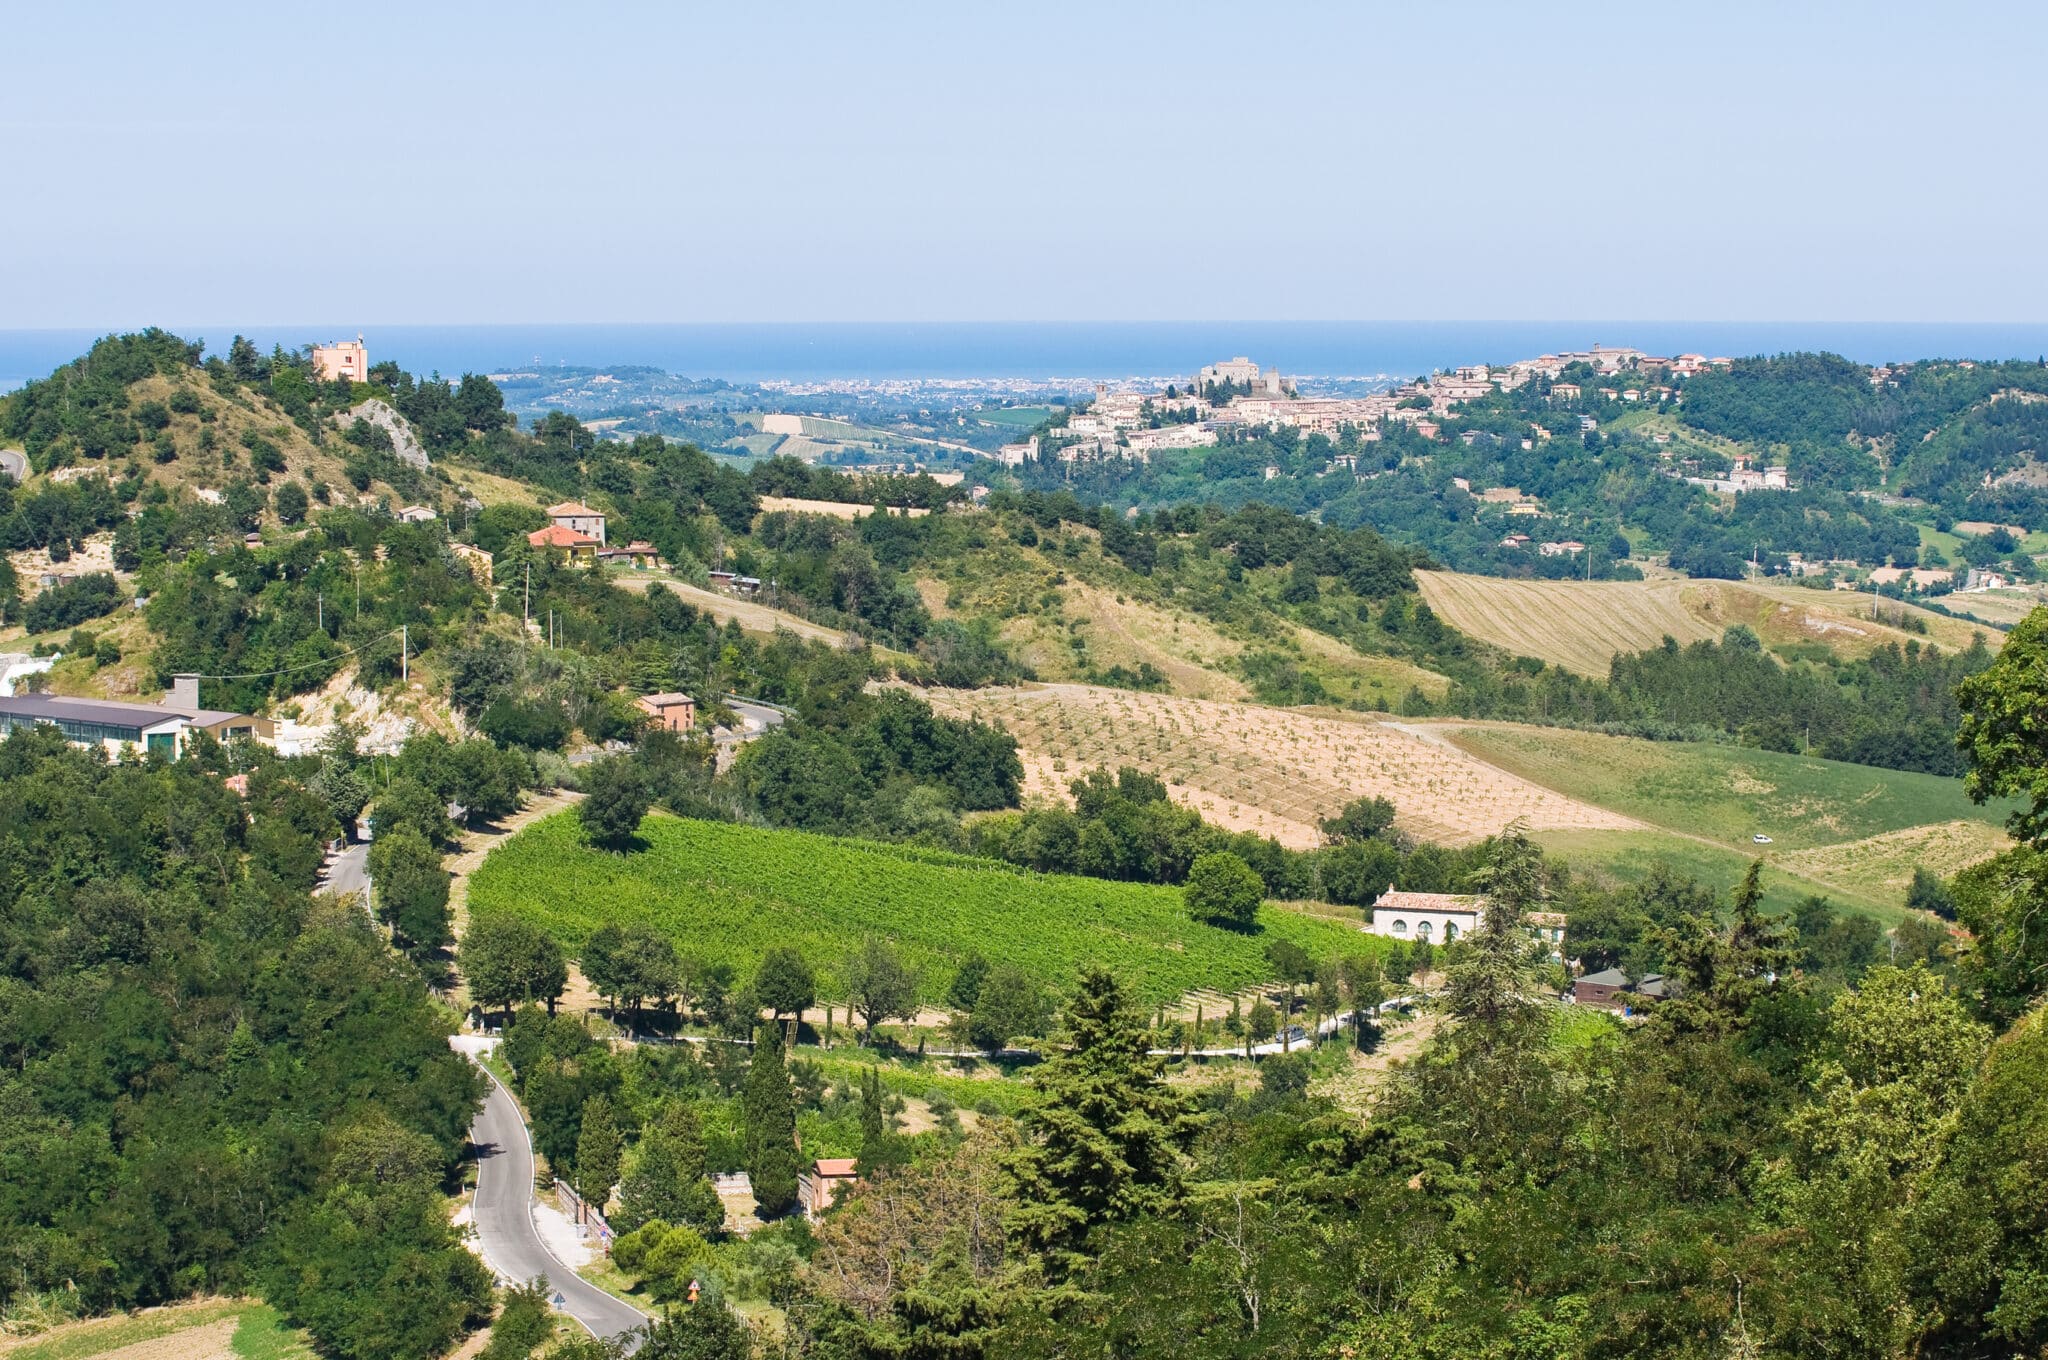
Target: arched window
(1422, 930)
(1400, 927)
(1450, 931)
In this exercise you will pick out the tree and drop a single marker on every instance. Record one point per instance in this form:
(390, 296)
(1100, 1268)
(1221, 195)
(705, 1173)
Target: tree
(881, 1146)
(615, 798)
(410, 889)
(1362, 819)
(523, 1324)
(1978, 1229)
(965, 989)
(703, 1331)
(410, 805)
(1492, 982)
(879, 985)
(1723, 974)
(1262, 1022)
(1105, 1134)
(343, 791)
(1222, 890)
(291, 502)
(2002, 903)
(667, 1178)
(602, 967)
(1928, 893)
(768, 1116)
(1012, 1003)
(508, 961)
(2001, 731)
(597, 1153)
(784, 983)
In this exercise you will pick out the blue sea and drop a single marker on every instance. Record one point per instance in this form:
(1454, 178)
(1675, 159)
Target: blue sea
(1080, 350)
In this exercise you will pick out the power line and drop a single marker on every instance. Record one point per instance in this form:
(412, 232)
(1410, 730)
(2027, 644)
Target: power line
(310, 665)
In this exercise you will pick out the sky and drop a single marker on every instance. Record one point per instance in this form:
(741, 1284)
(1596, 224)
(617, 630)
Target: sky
(498, 163)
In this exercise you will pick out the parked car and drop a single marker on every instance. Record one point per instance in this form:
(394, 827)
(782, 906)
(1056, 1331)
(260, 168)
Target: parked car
(1761, 839)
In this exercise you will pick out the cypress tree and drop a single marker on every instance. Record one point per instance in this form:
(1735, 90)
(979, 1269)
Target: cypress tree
(668, 1177)
(597, 1153)
(768, 1109)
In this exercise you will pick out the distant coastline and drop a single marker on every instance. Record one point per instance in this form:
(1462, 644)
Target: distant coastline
(1043, 350)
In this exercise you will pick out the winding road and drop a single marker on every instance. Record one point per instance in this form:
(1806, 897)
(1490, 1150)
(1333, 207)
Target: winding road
(512, 1245)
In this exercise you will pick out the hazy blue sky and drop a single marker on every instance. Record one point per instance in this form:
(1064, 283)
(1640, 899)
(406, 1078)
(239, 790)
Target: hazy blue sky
(490, 163)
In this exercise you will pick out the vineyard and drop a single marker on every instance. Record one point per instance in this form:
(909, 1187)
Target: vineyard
(728, 893)
(1268, 770)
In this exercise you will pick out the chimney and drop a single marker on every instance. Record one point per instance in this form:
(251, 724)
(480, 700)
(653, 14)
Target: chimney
(184, 693)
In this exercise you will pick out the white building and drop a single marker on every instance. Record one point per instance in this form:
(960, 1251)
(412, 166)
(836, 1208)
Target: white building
(1438, 918)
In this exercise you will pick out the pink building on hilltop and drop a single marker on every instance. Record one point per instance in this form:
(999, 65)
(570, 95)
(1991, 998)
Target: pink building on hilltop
(342, 359)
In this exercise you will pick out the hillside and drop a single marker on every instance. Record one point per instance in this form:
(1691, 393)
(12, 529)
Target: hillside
(1273, 771)
(1855, 831)
(1582, 625)
(728, 893)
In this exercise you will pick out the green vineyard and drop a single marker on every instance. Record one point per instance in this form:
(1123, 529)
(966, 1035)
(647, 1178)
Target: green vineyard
(729, 893)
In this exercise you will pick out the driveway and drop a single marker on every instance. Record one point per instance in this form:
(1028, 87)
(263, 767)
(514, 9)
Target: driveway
(512, 1245)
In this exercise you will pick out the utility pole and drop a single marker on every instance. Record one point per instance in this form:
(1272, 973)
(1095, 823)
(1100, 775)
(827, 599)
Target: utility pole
(526, 610)
(320, 610)
(404, 655)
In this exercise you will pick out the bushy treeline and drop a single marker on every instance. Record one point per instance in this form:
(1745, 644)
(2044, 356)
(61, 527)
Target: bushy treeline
(1123, 826)
(214, 1082)
(1895, 708)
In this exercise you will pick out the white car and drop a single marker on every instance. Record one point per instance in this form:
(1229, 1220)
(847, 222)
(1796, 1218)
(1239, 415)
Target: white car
(1761, 839)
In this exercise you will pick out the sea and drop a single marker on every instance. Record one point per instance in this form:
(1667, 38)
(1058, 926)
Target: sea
(800, 352)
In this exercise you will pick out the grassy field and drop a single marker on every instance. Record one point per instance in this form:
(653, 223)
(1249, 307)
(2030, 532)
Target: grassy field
(209, 1329)
(1581, 625)
(1850, 830)
(728, 893)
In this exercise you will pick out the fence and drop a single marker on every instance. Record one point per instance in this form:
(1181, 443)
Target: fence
(588, 1220)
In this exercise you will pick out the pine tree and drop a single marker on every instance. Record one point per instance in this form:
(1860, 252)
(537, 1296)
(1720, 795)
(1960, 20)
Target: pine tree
(1106, 1134)
(668, 1177)
(597, 1153)
(768, 1111)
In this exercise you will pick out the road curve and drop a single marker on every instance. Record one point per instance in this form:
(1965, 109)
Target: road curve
(512, 1246)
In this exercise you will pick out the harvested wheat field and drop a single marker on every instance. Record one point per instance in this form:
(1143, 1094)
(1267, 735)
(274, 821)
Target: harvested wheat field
(1581, 625)
(1882, 866)
(1269, 770)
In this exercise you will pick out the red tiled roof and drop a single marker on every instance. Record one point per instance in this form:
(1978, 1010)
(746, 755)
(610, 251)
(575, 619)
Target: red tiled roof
(559, 536)
(836, 1166)
(578, 508)
(1421, 901)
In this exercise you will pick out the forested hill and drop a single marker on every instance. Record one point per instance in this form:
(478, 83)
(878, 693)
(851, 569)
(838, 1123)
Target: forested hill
(1962, 441)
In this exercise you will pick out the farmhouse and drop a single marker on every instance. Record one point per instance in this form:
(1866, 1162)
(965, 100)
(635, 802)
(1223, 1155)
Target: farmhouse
(675, 712)
(1612, 989)
(1442, 918)
(579, 546)
(819, 1186)
(127, 729)
(1436, 917)
(578, 517)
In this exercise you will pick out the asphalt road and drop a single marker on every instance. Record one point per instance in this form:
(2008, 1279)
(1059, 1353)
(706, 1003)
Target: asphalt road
(348, 872)
(512, 1246)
